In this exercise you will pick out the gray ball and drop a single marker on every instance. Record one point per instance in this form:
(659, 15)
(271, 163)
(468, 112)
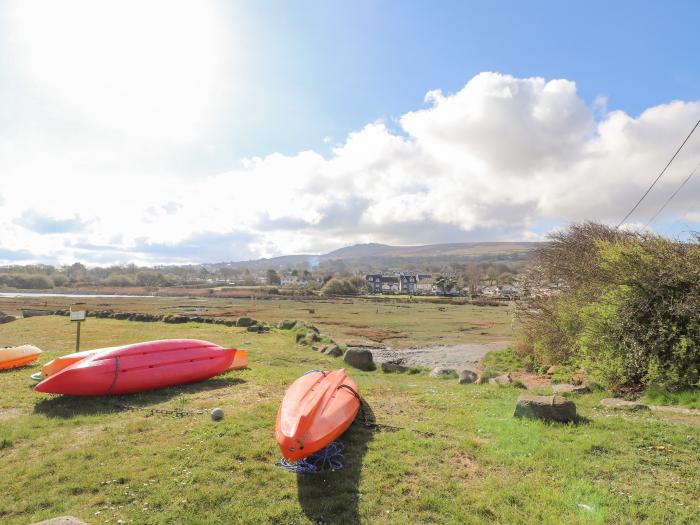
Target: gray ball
(217, 414)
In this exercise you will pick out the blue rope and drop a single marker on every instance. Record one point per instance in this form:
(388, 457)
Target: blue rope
(311, 371)
(328, 458)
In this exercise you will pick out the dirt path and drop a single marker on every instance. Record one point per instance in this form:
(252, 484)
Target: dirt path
(461, 355)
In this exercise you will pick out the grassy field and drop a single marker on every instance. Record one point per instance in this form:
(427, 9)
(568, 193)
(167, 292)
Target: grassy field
(358, 322)
(96, 460)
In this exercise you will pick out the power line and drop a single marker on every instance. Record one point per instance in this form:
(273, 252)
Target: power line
(670, 198)
(659, 176)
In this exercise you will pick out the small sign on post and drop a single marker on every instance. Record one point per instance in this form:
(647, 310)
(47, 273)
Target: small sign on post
(77, 316)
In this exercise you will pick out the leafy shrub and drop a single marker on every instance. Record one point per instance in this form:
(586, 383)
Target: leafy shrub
(336, 286)
(31, 281)
(626, 306)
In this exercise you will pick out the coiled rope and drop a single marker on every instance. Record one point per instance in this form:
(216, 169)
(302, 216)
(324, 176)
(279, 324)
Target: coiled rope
(328, 458)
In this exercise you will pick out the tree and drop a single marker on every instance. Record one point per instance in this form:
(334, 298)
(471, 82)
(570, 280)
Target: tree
(273, 277)
(337, 286)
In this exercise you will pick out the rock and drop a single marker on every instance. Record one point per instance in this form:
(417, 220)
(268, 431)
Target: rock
(390, 367)
(444, 372)
(565, 388)
(61, 520)
(245, 321)
(332, 350)
(360, 358)
(217, 414)
(254, 328)
(546, 408)
(551, 370)
(287, 324)
(310, 337)
(505, 379)
(316, 348)
(468, 376)
(5, 318)
(175, 319)
(614, 402)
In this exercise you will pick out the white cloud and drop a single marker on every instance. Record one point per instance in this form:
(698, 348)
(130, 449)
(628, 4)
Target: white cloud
(497, 160)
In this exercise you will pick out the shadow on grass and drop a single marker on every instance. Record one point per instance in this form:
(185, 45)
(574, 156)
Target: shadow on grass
(71, 406)
(334, 497)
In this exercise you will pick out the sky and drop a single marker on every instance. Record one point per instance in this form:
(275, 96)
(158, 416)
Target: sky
(172, 131)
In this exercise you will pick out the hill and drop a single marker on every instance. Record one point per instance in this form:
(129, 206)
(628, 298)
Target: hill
(374, 255)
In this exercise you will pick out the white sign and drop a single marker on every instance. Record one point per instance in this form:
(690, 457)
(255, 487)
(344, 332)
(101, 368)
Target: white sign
(78, 315)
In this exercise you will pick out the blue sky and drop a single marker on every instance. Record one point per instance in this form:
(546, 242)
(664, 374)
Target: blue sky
(177, 131)
(349, 63)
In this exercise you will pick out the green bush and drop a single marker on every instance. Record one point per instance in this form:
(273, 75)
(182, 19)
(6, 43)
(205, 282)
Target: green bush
(626, 307)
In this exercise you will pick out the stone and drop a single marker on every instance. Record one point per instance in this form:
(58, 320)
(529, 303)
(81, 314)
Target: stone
(245, 321)
(310, 337)
(61, 520)
(546, 408)
(565, 388)
(360, 358)
(391, 367)
(254, 328)
(443, 372)
(175, 319)
(623, 404)
(468, 376)
(5, 318)
(551, 370)
(504, 379)
(217, 414)
(332, 350)
(287, 324)
(316, 348)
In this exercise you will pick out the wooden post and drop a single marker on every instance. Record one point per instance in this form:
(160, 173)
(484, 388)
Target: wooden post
(77, 337)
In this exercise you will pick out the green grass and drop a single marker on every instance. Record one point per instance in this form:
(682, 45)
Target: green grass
(686, 398)
(353, 321)
(91, 459)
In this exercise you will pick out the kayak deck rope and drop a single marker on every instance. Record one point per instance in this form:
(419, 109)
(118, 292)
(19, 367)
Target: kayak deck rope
(328, 458)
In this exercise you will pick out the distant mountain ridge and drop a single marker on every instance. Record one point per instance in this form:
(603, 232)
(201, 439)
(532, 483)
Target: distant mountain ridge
(374, 254)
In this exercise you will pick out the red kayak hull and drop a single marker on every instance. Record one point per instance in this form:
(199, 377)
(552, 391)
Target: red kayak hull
(316, 409)
(141, 366)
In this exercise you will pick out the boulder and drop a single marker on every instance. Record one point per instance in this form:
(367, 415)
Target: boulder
(175, 319)
(310, 338)
(546, 408)
(505, 379)
(61, 520)
(360, 358)
(468, 376)
(614, 402)
(5, 318)
(245, 321)
(565, 388)
(254, 328)
(443, 372)
(390, 367)
(287, 324)
(332, 350)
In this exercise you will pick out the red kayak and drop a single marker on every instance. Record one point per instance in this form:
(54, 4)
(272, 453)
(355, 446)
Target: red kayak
(316, 409)
(141, 366)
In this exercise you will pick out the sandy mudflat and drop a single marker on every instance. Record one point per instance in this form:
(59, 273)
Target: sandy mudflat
(462, 355)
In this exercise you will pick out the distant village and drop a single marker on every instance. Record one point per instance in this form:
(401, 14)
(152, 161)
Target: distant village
(385, 283)
(496, 280)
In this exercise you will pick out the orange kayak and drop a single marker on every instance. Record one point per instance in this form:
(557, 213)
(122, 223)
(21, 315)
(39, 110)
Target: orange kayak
(316, 410)
(16, 356)
(58, 364)
(240, 360)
